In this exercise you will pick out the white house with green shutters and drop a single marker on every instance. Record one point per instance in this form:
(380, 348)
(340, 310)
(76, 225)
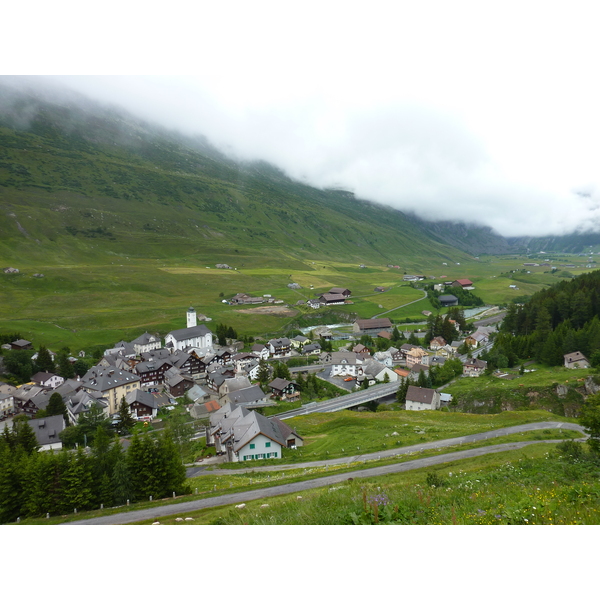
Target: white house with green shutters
(245, 435)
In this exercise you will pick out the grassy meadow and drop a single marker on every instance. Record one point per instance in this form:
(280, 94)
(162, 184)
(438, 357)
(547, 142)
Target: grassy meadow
(106, 298)
(536, 390)
(536, 485)
(351, 433)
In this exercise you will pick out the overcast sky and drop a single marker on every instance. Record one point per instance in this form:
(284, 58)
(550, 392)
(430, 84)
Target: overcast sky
(475, 111)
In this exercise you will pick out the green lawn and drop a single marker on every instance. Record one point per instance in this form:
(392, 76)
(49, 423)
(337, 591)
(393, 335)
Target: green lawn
(348, 433)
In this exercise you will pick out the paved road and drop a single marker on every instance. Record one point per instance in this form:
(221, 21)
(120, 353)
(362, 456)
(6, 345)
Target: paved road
(291, 488)
(490, 320)
(458, 441)
(375, 392)
(311, 368)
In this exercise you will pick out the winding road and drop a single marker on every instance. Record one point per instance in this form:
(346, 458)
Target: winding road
(292, 488)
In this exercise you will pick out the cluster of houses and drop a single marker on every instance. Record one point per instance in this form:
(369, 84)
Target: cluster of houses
(149, 373)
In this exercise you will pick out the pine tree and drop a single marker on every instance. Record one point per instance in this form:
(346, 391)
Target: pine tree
(125, 422)
(263, 375)
(136, 466)
(589, 417)
(401, 393)
(65, 368)
(24, 436)
(122, 488)
(174, 474)
(11, 486)
(44, 361)
(89, 422)
(285, 372)
(56, 406)
(78, 483)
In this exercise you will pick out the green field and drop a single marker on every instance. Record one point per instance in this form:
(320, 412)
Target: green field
(99, 302)
(127, 236)
(530, 391)
(350, 433)
(532, 486)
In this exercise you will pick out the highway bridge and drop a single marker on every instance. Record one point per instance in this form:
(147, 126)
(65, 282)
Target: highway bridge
(376, 392)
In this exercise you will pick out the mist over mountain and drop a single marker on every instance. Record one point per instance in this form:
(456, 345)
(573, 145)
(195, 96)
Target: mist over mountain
(103, 165)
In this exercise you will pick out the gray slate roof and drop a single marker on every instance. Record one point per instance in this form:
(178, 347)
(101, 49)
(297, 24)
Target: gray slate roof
(145, 398)
(418, 394)
(189, 332)
(247, 395)
(103, 379)
(47, 429)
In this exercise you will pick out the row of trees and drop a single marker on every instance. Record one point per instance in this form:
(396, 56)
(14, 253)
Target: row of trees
(562, 319)
(465, 297)
(21, 367)
(312, 387)
(441, 326)
(34, 483)
(576, 301)
(223, 332)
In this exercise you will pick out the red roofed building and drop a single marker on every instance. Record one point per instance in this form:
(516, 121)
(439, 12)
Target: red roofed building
(463, 283)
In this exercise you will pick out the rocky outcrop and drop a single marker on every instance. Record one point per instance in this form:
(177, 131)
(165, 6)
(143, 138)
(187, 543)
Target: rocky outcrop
(591, 385)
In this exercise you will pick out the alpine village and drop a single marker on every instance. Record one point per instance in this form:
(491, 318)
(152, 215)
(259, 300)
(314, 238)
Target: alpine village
(180, 329)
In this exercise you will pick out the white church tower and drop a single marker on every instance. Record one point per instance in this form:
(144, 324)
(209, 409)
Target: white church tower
(191, 317)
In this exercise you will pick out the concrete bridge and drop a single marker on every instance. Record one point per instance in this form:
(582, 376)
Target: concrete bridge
(377, 392)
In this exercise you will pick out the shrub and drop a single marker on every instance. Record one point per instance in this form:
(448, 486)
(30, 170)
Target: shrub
(435, 480)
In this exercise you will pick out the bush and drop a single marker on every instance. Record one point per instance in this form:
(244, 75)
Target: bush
(435, 480)
(570, 450)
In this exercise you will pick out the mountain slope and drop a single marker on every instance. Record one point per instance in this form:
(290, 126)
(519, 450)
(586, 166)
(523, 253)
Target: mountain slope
(80, 179)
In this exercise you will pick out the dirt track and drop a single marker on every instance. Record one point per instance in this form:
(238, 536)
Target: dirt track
(279, 311)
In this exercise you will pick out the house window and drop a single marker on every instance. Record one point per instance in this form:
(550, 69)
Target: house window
(252, 446)
(268, 445)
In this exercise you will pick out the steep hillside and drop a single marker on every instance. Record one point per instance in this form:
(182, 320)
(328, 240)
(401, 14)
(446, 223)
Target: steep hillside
(80, 180)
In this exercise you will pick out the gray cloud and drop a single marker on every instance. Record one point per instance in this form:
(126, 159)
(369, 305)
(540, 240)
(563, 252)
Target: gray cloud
(414, 155)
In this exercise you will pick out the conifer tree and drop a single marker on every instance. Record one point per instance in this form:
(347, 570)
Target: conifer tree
(401, 393)
(11, 486)
(56, 406)
(24, 436)
(65, 368)
(125, 422)
(122, 488)
(44, 361)
(263, 375)
(78, 482)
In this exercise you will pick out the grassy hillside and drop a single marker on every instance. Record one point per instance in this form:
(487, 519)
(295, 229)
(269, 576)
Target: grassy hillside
(126, 222)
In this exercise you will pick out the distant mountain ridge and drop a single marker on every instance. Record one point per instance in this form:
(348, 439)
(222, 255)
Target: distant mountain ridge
(481, 239)
(76, 175)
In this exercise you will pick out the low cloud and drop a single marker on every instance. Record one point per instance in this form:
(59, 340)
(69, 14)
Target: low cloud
(413, 155)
